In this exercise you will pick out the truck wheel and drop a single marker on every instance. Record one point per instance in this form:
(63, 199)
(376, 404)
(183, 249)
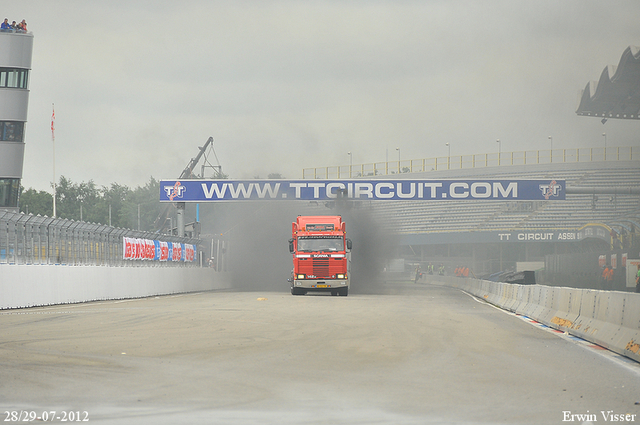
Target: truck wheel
(296, 291)
(344, 292)
(334, 293)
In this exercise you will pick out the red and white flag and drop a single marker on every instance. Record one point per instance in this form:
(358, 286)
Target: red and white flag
(53, 119)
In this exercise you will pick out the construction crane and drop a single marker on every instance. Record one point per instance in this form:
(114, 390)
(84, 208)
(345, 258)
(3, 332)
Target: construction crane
(187, 173)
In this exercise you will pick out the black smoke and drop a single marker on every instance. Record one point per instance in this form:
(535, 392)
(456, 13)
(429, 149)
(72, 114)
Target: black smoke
(256, 235)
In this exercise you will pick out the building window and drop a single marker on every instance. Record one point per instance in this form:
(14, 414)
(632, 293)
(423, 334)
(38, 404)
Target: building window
(14, 78)
(9, 191)
(11, 131)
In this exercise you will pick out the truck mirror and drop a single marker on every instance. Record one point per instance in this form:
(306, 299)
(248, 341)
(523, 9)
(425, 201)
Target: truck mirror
(291, 245)
(349, 244)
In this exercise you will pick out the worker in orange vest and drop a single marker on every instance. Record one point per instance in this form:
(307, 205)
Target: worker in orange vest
(610, 278)
(607, 277)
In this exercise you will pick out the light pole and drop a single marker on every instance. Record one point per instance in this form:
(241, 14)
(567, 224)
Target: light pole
(499, 150)
(605, 145)
(449, 157)
(53, 142)
(386, 164)
(398, 149)
(350, 163)
(551, 149)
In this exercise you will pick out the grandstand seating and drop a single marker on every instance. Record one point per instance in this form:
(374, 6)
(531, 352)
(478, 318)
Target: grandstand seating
(405, 217)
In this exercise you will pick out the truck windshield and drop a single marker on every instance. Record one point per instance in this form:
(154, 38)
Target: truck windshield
(320, 244)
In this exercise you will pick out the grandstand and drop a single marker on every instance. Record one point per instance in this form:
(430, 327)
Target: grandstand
(425, 217)
(597, 218)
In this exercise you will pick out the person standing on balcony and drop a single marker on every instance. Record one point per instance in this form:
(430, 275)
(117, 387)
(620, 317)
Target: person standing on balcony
(5, 26)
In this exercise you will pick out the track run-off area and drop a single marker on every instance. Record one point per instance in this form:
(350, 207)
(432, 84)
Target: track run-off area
(412, 354)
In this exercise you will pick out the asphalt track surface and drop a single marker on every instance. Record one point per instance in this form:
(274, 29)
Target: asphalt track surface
(417, 354)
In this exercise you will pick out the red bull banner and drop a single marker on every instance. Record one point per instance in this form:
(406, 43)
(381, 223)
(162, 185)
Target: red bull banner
(153, 250)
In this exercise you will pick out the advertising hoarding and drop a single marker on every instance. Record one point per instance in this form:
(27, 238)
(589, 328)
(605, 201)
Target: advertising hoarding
(391, 190)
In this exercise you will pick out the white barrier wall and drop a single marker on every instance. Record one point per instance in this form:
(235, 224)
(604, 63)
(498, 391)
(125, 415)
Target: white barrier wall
(33, 285)
(610, 319)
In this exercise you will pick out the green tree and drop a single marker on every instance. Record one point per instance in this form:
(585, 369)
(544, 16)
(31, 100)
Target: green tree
(94, 202)
(116, 198)
(146, 198)
(78, 201)
(34, 202)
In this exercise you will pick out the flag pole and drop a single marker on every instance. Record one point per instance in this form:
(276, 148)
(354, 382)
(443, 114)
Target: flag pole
(53, 141)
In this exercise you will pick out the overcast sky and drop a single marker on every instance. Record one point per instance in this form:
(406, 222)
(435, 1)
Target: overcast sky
(287, 85)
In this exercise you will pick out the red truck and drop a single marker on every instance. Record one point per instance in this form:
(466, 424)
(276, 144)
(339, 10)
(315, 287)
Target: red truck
(321, 255)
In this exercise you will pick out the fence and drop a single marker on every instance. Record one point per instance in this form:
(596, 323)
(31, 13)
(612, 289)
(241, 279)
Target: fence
(474, 161)
(29, 239)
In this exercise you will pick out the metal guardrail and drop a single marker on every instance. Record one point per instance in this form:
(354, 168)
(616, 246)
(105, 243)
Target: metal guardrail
(29, 239)
(555, 156)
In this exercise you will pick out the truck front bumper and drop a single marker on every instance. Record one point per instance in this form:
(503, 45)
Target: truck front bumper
(320, 285)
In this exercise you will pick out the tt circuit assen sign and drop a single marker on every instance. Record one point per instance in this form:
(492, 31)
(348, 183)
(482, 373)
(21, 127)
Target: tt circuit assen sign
(392, 190)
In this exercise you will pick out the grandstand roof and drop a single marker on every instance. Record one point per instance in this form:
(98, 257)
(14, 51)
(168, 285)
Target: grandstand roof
(617, 93)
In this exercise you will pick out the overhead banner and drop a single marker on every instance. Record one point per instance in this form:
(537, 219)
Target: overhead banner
(389, 190)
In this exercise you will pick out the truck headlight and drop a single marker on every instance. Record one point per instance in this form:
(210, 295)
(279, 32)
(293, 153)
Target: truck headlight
(300, 276)
(340, 276)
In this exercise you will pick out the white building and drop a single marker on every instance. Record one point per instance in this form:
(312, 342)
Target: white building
(15, 65)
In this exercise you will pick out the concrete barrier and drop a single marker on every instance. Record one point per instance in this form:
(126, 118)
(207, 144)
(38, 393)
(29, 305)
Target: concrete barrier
(33, 285)
(566, 308)
(610, 319)
(522, 298)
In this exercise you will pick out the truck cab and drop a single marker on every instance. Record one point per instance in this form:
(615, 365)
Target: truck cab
(321, 255)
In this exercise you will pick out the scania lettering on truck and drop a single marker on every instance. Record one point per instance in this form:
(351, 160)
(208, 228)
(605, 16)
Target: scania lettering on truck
(321, 255)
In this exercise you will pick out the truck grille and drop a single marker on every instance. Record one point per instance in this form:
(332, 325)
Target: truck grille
(321, 267)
